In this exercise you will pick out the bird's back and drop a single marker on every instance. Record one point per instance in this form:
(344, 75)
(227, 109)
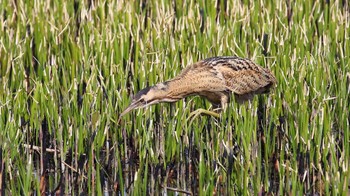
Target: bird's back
(229, 73)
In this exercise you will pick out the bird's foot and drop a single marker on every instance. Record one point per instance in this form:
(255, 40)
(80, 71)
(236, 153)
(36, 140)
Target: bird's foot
(198, 112)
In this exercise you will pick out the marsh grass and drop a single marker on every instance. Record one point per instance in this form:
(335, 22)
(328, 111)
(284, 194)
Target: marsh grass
(68, 69)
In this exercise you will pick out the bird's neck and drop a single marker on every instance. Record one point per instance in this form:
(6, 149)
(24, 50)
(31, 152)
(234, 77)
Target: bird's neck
(177, 89)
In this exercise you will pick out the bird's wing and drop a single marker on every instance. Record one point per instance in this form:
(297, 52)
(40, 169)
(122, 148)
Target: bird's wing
(242, 76)
(205, 66)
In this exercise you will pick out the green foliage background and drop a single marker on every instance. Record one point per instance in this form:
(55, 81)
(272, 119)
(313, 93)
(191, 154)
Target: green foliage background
(68, 69)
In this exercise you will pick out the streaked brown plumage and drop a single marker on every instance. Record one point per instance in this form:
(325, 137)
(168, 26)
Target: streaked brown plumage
(215, 78)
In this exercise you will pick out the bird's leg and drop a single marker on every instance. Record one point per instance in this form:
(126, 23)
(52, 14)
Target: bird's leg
(200, 111)
(224, 100)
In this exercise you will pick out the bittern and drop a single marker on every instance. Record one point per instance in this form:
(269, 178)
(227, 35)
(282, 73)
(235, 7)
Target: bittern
(215, 78)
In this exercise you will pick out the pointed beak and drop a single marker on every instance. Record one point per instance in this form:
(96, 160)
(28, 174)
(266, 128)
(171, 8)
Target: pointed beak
(132, 106)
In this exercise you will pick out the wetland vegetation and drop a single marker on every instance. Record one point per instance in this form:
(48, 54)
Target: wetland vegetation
(69, 68)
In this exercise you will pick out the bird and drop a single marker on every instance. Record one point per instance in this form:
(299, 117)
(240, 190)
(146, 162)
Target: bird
(215, 78)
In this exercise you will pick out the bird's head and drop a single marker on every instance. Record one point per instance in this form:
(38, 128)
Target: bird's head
(149, 96)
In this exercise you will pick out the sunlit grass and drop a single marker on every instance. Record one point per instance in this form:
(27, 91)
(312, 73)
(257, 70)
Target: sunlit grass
(68, 69)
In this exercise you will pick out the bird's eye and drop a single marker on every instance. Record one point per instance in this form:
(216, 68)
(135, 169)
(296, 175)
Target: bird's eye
(143, 101)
